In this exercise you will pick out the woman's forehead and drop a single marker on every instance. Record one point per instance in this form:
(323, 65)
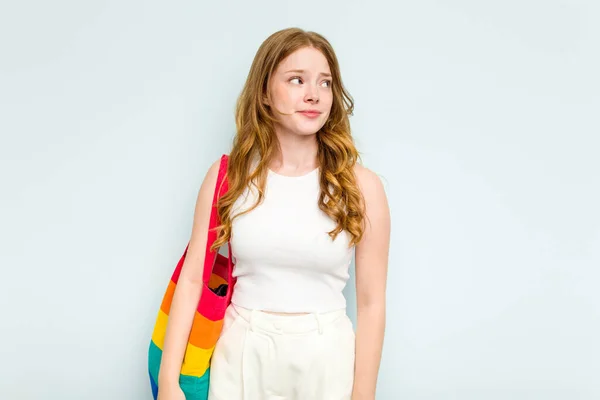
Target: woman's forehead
(308, 60)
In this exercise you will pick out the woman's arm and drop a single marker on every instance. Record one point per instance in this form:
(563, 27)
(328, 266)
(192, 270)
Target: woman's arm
(371, 258)
(189, 286)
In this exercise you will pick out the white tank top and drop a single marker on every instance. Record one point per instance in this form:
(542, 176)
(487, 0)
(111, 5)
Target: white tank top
(284, 259)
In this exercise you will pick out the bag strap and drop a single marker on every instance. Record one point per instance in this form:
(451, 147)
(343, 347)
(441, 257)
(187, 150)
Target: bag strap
(220, 189)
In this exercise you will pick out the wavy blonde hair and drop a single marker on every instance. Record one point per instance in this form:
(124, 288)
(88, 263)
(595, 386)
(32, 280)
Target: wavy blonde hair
(340, 196)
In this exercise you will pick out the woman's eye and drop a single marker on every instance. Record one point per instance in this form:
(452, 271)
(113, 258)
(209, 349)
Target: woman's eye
(300, 79)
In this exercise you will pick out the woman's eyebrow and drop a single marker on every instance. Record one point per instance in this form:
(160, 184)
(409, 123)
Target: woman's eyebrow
(302, 71)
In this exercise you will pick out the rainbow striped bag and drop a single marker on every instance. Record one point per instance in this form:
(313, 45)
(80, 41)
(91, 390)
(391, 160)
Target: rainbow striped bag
(208, 319)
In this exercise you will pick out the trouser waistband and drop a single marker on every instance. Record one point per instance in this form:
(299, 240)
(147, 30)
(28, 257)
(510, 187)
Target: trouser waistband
(293, 323)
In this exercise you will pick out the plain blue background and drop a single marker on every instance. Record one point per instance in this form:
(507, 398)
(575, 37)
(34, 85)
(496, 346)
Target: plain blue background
(480, 117)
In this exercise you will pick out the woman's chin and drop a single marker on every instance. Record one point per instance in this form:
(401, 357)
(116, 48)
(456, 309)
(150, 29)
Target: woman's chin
(306, 132)
(309, 129)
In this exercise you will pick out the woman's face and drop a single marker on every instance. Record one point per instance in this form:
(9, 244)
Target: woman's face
(302, 82)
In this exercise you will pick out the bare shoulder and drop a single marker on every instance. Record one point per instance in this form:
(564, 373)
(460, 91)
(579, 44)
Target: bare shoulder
(192, 268)
(206, 192)
(377, 211)
(207, 189)
(213, 172)
(368, 181)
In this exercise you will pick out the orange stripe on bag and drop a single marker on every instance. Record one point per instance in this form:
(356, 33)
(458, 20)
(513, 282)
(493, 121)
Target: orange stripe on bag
(205, 333)
(168, 298)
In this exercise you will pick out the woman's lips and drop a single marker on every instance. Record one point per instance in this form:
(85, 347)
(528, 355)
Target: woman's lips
(310, 114)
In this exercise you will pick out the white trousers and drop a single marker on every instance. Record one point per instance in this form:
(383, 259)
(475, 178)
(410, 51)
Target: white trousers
(262, 356)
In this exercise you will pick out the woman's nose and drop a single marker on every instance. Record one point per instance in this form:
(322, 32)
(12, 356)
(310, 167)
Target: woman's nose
(312, 94)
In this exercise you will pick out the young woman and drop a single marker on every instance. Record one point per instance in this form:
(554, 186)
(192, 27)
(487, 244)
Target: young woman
(298, 206)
